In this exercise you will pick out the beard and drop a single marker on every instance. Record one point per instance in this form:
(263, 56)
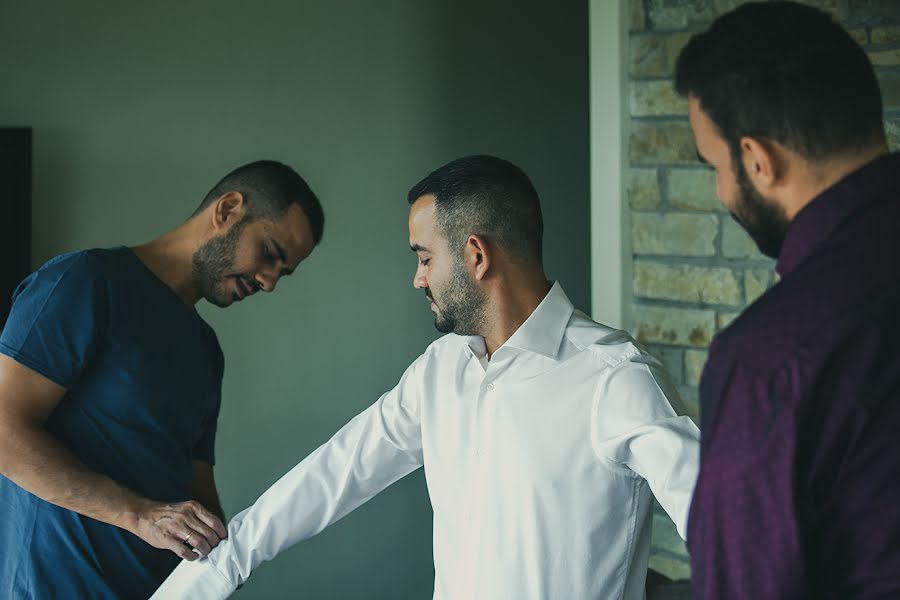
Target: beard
(212, 262)
(461, 307)
(764, 220)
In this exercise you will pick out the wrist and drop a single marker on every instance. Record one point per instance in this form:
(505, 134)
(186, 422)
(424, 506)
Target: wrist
(133, 509)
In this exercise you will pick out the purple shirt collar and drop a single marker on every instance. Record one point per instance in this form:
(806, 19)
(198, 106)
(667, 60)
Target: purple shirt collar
(818, 219)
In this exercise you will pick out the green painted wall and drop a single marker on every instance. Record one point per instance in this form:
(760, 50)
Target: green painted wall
(138, 108)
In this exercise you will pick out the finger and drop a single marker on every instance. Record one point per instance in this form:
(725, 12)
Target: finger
(211, 521)
(200, 544)
(179, 548)
(201, 531)
(183, 532)
(192, 540)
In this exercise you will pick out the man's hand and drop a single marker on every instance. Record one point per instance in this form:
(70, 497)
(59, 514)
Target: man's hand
(186, 528)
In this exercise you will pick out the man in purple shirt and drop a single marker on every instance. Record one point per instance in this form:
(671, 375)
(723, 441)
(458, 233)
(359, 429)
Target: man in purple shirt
(799, 488)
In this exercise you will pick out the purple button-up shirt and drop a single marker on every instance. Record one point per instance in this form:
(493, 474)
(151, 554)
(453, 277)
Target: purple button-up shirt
(799, 488)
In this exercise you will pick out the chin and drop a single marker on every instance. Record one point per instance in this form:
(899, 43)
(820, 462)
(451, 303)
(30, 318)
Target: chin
(219, 301)
(443, 326)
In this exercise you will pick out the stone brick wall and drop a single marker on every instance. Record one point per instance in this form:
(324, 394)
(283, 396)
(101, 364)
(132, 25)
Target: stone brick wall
(694, 268)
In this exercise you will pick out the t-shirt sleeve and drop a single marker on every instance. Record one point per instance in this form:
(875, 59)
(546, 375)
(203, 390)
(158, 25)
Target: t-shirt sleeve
(205, 448)
(58, 318)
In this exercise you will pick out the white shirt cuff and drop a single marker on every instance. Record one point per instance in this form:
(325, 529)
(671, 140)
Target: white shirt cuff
(198, 579)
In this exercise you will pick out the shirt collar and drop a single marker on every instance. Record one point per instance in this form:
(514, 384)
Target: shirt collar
(827, 211)
(543, 330)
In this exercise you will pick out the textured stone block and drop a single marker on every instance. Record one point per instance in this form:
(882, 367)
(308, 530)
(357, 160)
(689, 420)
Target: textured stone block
(656, 98)
(637, 18)
(665, 535)
(694, 361)
(892, 130)
(686, 283)
(674, 326)
(737, 243)
(885, 58)
(693, 189)
(671, 358)
(668, 552)
(860, 35)
(756, 282)
(840, 9)
(886, 34)
(667, 142)
(679, 14)
(642, 188)
(655, 55)
(867, 10)
(890, 91)
(677, 569)
(724, 6)
(690, 401)
(724, 319)
(674, 234)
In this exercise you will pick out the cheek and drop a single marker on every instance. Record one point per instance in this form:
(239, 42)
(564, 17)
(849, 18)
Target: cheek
(727, 189)
(434, 282)
(244, 260)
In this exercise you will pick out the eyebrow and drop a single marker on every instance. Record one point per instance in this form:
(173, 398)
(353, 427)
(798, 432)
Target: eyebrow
(419, 248)
(281, 255)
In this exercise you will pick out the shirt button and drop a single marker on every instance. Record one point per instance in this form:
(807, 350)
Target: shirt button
(490, 387)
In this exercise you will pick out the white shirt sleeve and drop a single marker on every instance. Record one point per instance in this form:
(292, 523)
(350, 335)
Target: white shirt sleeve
(635, 425)
(375, 449)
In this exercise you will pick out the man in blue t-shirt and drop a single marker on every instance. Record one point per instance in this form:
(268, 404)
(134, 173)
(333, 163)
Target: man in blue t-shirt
(110, 387)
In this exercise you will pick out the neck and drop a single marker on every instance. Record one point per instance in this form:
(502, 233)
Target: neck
(513, 301)
(170, 258)
(825, 174)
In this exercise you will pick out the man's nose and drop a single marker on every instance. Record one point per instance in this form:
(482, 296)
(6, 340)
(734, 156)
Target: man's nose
(419, 280)
(267, 281)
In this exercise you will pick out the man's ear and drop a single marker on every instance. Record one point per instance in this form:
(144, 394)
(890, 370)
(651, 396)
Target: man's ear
(228, 209)
(763, 162)
(477, 254)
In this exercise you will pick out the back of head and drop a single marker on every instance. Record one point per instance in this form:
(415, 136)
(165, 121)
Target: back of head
(490, 197)
(269, 188)
(785, 72)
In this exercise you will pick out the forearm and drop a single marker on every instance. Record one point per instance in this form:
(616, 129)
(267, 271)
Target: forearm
(339, 476)
(36, 461)
(358, 462)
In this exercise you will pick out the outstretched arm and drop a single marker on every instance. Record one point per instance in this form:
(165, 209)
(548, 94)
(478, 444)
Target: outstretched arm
(375, 449)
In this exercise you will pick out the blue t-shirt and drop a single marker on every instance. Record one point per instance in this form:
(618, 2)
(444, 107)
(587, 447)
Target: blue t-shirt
(143, 375)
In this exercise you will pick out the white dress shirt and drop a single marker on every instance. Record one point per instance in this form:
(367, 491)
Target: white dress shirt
(539, 463)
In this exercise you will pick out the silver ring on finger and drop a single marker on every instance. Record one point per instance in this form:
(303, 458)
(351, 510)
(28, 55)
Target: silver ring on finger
(189, 536)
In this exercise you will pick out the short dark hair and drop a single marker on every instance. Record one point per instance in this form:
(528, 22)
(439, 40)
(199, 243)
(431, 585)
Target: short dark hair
(486, 196)
(785, 72)
(269, 188)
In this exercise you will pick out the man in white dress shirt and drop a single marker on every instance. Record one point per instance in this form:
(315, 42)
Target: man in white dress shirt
(544, 435)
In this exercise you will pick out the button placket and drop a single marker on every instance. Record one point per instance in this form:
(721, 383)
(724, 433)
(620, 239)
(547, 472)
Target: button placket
(485, 414)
